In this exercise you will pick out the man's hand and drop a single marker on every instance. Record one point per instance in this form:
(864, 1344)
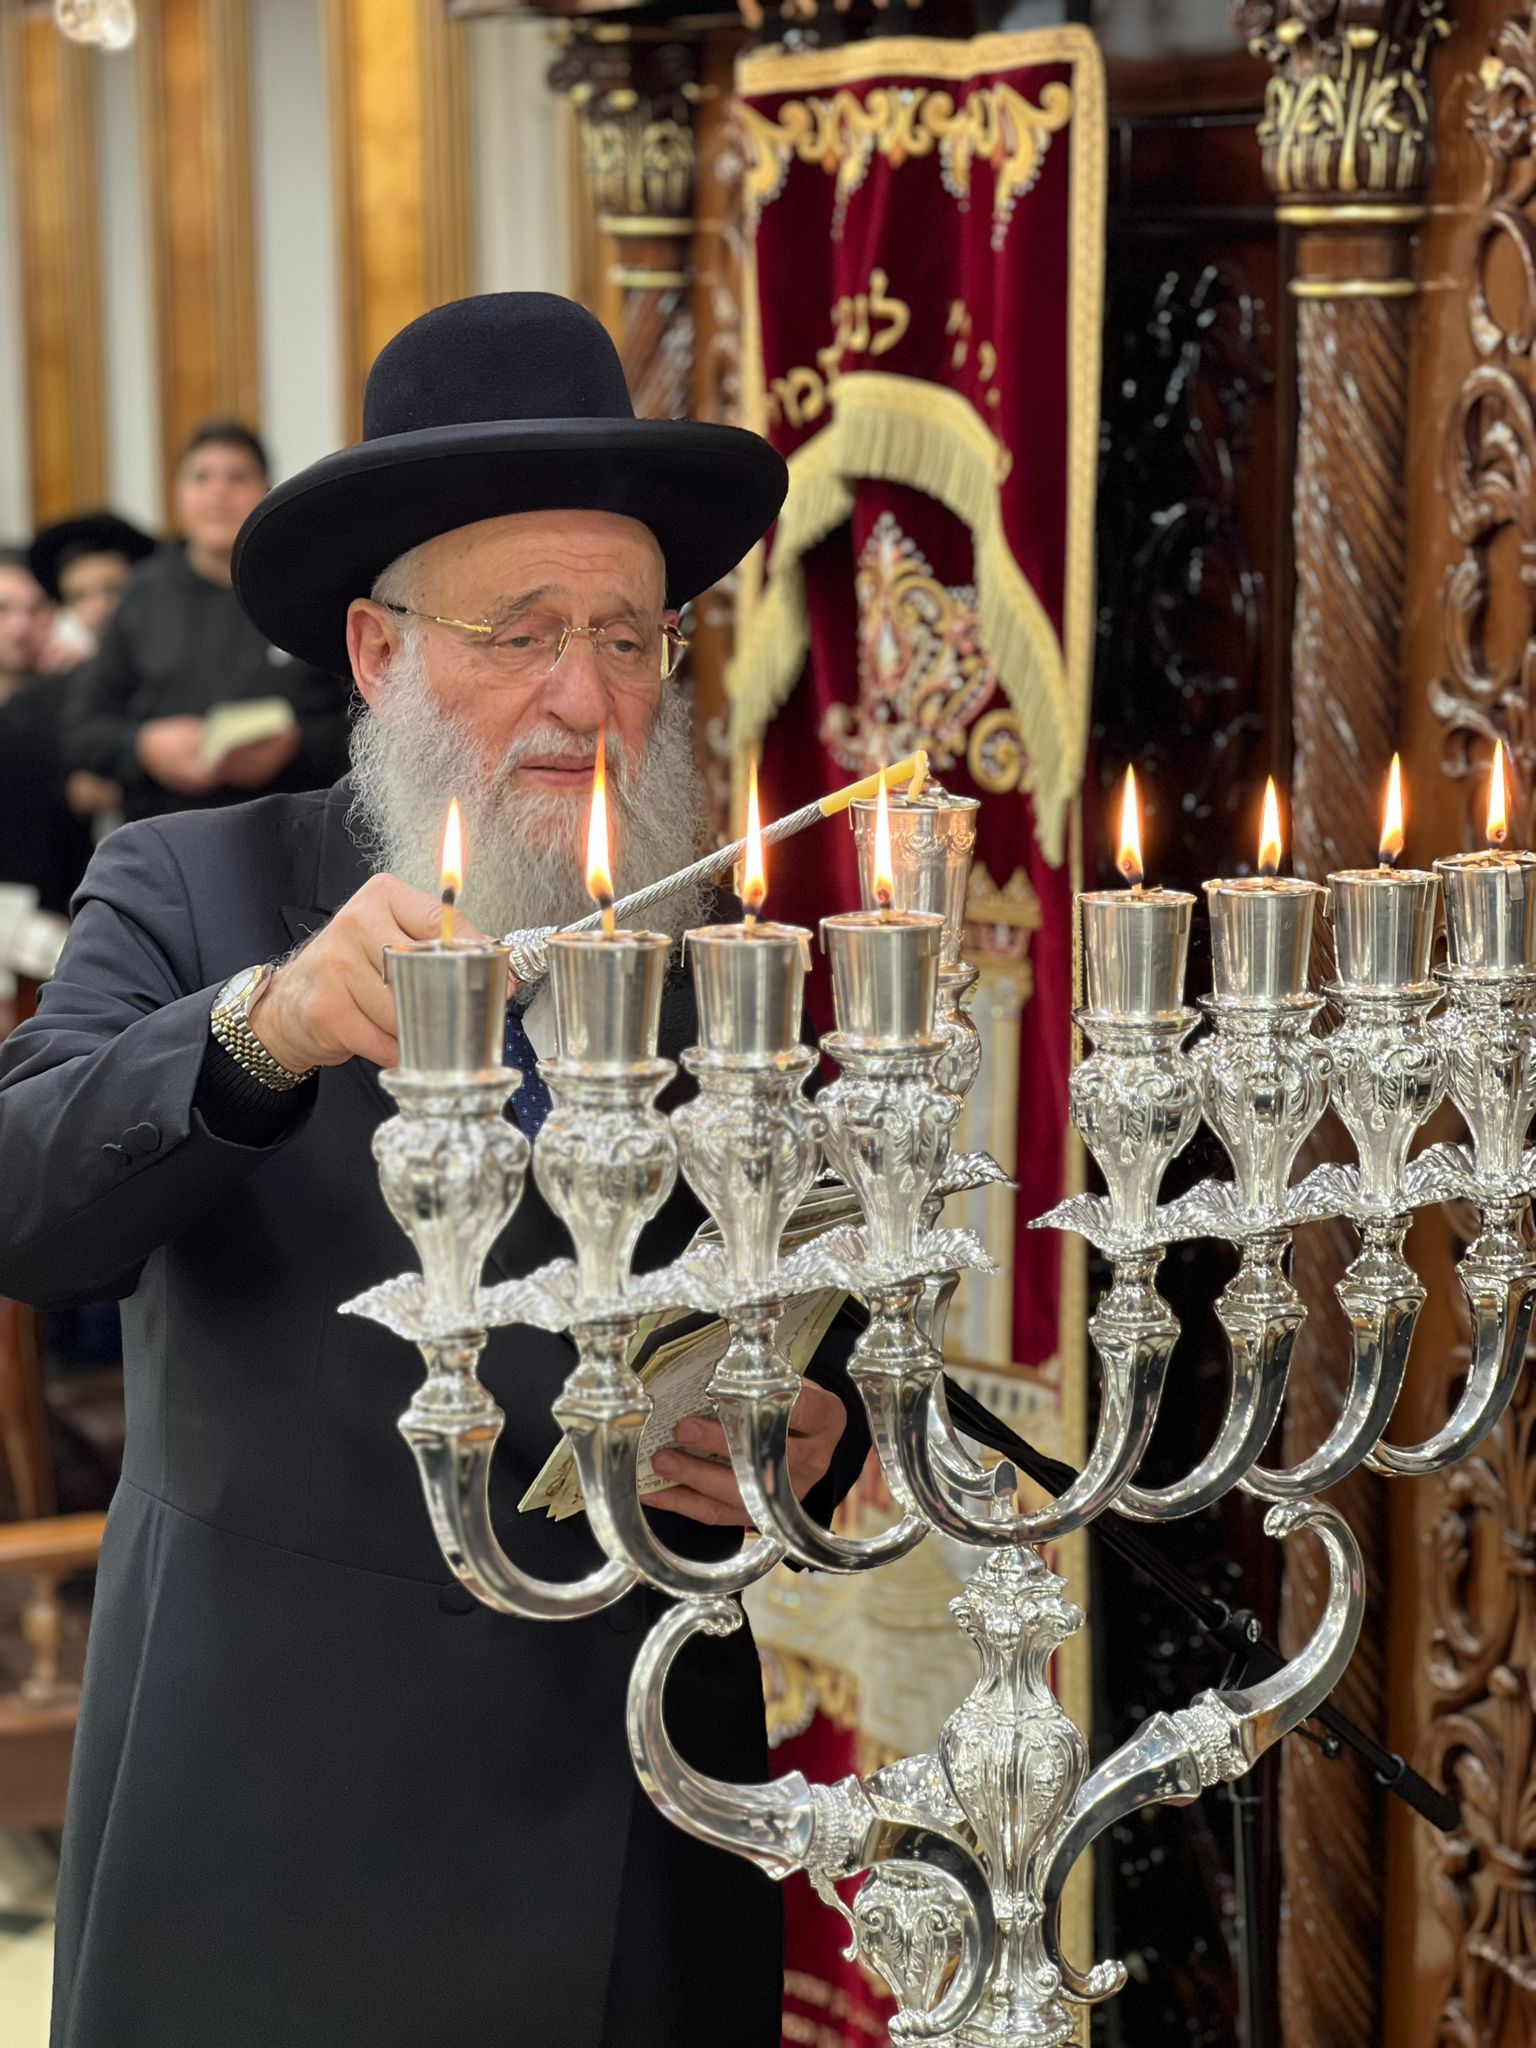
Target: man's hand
(170, 750)
(707, 1492)
(330, 1002)
(253, 767)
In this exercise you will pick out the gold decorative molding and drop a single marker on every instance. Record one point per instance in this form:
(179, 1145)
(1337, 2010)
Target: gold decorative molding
(48, 110)
(1351, 214)
(1352, 287)
(399, 139)
(194, 72)
(995, 125)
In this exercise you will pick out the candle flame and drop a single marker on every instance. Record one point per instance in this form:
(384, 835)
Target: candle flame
(884, 867)
(1130, 863)
(1392, 817)
(452, 868)
(599, 863)
(1498, 798)
(754, 877)
(1269, 832)
(453, 849)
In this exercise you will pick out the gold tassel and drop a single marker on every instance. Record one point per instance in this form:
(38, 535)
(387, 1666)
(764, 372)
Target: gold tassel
(901, 430)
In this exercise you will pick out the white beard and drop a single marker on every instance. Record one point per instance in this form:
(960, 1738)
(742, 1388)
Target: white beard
(525, 849)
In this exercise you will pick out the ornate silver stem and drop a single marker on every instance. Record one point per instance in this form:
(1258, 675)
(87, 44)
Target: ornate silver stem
(452, 1427)
(1487, 1033)
(1498, 1277)
(1381, 1296)
(831, 1832)
(1133, 1332)
(606, 1162)
(1261, 1313)
(603, 1409)
(452, 1170)
(1263, 1086)
(1218, 1737)
(961, 1059)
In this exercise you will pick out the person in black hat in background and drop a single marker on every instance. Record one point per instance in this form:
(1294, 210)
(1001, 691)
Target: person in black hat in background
(178, 648)
(84, 564)
(321, 1797)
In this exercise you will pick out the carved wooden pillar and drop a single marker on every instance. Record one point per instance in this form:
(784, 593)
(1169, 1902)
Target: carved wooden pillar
(194, 59)
(634, 91)
(47, 108)
(661, 176)
(1345, 137)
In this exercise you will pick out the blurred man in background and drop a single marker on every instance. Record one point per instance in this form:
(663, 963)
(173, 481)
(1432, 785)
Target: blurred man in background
(186, 705)
(43, 844)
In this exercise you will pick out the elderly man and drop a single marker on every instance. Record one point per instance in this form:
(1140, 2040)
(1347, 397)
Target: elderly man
(322, 1798)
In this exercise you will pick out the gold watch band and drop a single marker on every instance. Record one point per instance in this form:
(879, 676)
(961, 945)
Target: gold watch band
(231, 1027)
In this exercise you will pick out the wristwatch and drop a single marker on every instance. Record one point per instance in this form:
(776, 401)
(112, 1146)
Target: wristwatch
(231, 1027)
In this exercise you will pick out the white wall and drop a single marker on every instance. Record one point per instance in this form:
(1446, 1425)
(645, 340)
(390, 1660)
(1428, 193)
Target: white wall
(298, 316)
(516, 164)
(134, 484)
(15, 479)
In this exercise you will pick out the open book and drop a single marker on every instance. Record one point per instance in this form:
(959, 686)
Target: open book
(675, 1358)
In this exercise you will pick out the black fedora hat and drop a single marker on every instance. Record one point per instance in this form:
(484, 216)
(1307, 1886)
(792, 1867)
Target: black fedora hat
(511, 402)
(88, 533)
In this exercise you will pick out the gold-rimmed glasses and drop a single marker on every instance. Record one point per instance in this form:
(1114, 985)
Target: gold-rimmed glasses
(530, 644)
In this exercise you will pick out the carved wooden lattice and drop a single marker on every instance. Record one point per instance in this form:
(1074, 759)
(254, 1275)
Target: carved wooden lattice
(1481, 1568)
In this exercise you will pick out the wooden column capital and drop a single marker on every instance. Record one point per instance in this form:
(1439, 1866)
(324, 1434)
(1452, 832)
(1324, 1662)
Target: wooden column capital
(1347, 110)
(635, 92)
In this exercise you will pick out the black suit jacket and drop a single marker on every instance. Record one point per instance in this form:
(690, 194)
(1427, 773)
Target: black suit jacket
(321, 1797)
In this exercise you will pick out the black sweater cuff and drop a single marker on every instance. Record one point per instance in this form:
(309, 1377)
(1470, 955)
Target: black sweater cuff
(240, 1109)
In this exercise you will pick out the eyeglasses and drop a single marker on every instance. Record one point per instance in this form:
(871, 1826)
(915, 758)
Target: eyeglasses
(530, 645)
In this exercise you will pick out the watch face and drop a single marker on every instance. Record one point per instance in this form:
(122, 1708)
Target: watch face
(238, 988)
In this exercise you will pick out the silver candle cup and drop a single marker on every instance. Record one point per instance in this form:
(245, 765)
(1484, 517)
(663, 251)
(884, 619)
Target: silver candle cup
(1490, 912)
(450, 1008)
(1261, 937)
(1135, 949)
(1383, 927)
(932, 841)
(607, 994)
(750, 984)
(885, 976)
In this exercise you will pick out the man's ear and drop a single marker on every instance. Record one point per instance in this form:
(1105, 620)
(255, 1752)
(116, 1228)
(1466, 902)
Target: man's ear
(372, 638)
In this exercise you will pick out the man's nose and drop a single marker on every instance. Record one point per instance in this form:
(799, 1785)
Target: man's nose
(574, 690)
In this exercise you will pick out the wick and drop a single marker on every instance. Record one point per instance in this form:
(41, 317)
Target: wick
(1135, 892)
(883, 904)
(610, 921)
(749, 919)
(450, 911)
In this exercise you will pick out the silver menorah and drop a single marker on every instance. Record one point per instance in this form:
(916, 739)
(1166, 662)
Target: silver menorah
(964, 1851)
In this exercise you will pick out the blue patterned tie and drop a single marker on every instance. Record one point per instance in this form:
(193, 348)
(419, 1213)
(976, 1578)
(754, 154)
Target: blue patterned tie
(531, 1103)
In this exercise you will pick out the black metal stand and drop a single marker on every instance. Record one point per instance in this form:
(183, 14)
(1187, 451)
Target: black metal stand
(1247, 1802)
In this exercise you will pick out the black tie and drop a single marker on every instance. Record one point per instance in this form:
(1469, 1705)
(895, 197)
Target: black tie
(531, 1102)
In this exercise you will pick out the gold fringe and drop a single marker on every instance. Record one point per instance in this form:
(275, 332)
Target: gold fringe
(902, 430)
